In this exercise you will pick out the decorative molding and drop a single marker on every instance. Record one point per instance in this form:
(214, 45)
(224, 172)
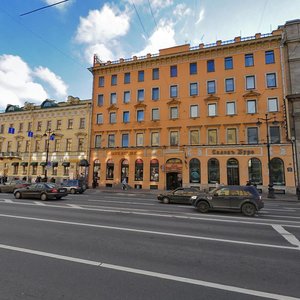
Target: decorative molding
(212, 98)
(251, 94)
(140, 105)
(112, 107)
(174, 101)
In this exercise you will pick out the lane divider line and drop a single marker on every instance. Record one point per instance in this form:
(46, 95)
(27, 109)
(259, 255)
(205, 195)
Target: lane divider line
(287, 235)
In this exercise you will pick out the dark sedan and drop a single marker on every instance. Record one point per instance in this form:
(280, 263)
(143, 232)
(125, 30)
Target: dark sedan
(179, 195)
(41, 190)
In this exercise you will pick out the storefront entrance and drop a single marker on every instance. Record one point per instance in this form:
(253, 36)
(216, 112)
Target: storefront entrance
(173, 181)
(173, 169)
(233, 176)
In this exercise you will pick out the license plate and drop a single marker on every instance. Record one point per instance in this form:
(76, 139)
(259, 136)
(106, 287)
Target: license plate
(61, 190)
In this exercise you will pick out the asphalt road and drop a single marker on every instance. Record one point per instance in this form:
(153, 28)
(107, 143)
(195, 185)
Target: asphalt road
(129, 246)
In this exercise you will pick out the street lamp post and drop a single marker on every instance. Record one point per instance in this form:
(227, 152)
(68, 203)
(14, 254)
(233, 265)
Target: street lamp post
(266, 119)
(50, 136)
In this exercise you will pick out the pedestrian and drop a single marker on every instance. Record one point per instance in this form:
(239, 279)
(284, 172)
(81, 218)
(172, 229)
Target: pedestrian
(38, 179)
(124, 184)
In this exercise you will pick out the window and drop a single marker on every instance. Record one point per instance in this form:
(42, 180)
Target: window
(274, 134)
(173, 91)
(173, 71)
(155, 93)
(125, 116)
(154, 138)
(193, 68)
(139, 170)
(210, 65)
(82, 123)
(2, 127)
(101, 81)
(255, 171)
(272, 105)
(81, 144)
(48, 126)
(139, 139)
(110, 169)
(112, 117)
(174, 112)
(99, 118)
(113, 98)
(230, 108)
(252, 135)
(126, 97)
(194, 111)
(19, 146)
(174, 138)
(125, 140)
(251, 106)
(231, 136)
(98, 141)
(155, 74)
(140, 95)
(211, 87)
(194, 89)
(271, 80)
(111, 140)
(212, 136)
(249, 60)
(228, 63)
(127, 78)
(155, 114)
(29, 127)
(57, 144)
(277, 171)
(194, 170)
(39, 126)
(154, 170)
(114, 79)
(68, 144)
(27, 146)
(140, 115)
(194, 137)
(9, 146)
(229, 85)
(213, 171)
(269, 57)
(100, 100)
(70, 124)
(212, 109)
(250, 82)
(21, 126)
(141, 76)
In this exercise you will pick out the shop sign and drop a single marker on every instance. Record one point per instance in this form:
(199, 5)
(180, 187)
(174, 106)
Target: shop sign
(234, 152)
(173, 167)
(124, 153)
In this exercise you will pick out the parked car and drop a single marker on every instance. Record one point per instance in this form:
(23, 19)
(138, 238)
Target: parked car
(74, 186)
(10, 187)
(179, 195)
(41, 190)
(245, 199)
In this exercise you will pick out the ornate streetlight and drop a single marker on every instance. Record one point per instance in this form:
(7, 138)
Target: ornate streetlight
(49, 134)
(267, 119)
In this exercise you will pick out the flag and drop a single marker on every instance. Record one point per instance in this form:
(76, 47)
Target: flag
(11, 130)
(52, 137)
(30, 134)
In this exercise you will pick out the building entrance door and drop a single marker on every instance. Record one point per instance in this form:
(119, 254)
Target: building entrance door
(173, 180)
(233, 176)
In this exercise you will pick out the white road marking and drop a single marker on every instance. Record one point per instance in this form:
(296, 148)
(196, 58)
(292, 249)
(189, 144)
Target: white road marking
(161, 233)
(39, 203)
(75, 206)
(287, 235)
(186, 280)
(8, 201)
(122, 202)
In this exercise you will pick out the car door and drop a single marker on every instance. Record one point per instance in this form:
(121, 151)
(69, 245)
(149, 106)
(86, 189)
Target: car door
(31, 191)
(238, 197)
(221, 198)
(177, 195)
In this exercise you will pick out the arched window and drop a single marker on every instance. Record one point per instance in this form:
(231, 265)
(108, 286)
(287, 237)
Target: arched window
(194, 170)
(233, 176)
(254, 171)
(110, 168)
(139, 170)
(154, 170)
(213, 170)
(277, 171)
(124, 169)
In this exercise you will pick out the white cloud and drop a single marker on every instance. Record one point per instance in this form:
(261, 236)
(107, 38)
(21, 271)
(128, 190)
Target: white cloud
(157, 4)
(18, 83)
(201, 16)
(52, 79)
(181, 10)
(60, 6)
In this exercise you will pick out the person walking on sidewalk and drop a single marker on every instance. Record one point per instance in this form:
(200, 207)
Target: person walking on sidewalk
(124, 184)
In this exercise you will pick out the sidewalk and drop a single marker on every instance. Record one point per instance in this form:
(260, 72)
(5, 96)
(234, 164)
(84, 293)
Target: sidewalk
(278, 197)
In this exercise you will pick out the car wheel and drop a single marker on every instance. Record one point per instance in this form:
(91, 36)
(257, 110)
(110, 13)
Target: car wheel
(249, 209)
(203, 206)
(18, 195)
(43, 197)
(73, 191)
(166, 200)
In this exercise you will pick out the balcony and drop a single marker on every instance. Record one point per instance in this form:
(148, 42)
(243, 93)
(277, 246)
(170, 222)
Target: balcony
(10, 155)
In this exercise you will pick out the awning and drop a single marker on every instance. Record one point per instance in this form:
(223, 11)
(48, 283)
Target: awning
(66, 164)
(24, 164)
(54, 164)
(43, 163)
(14, 163)
(33, 163)
(84, 163)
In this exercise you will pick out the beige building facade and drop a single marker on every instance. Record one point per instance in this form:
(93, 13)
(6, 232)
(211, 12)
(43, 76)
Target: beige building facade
(50, 139)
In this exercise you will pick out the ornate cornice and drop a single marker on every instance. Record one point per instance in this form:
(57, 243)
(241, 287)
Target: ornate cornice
(251, 94)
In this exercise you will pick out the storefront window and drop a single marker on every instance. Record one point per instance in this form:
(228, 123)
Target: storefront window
(154, 170)
(139, 170)
(194, 170)
(110, 166)
(277, 171)
(124, 169)
(254, 171)
(213, 171)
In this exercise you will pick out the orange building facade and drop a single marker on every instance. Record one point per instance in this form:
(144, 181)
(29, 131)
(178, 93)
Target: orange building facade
(193, 117)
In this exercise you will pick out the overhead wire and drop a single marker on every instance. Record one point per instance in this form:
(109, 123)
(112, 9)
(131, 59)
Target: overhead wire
(136, 11)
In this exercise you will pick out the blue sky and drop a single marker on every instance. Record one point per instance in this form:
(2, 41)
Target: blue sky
(46, 54)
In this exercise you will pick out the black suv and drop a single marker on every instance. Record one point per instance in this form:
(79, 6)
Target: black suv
(245, 199)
